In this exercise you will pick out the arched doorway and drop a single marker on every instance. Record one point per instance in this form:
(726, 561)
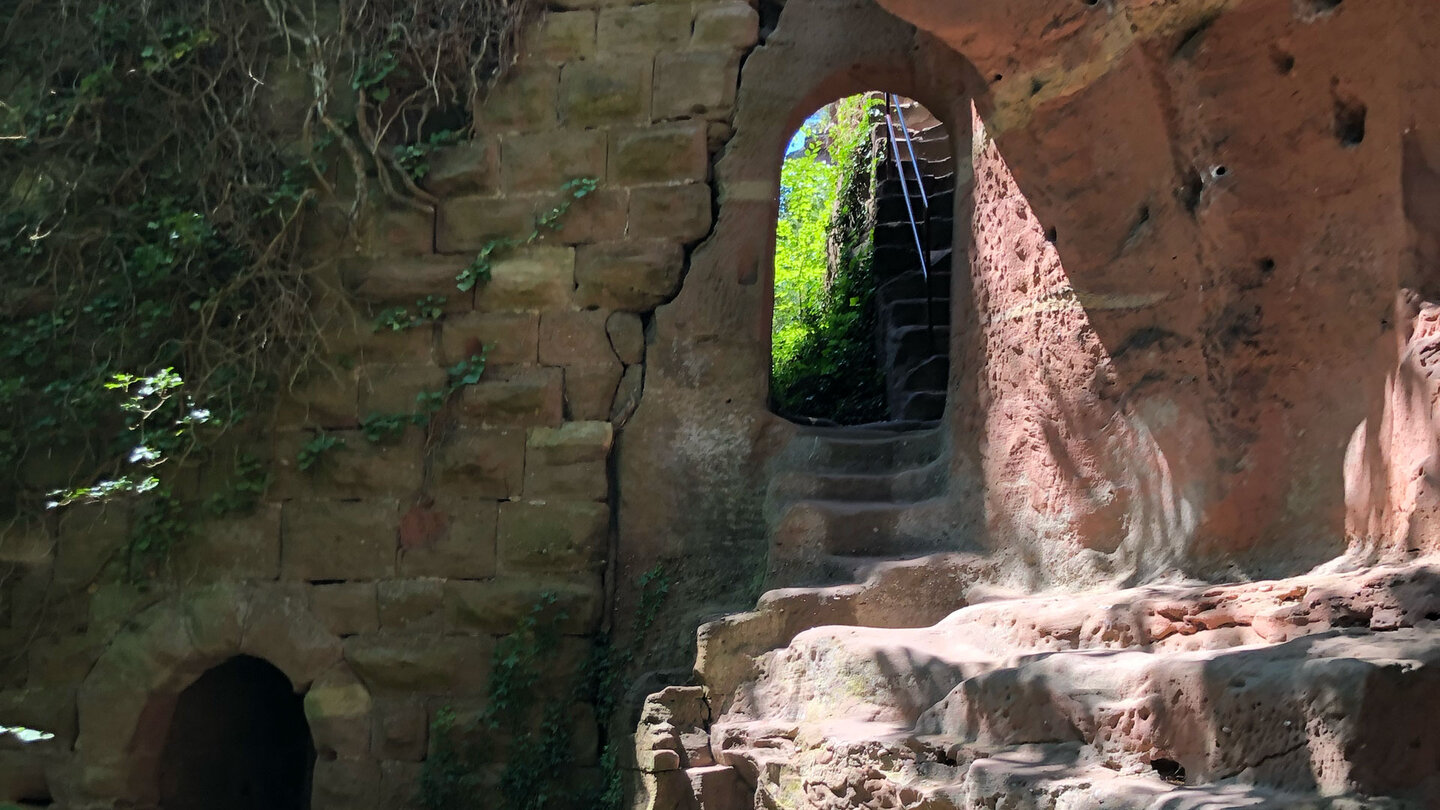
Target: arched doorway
(862, 266)
(238, 741)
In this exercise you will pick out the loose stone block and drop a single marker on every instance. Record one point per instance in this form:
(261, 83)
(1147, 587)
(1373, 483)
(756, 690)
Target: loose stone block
(465, 224)
(644, 29)
(636, 275)
(695, 83)
(394, 389)
(545, 161)
(346, 608)
(338, 540)
(569, 462)
(497, 606)
(412, 604)
(472, 167)
(400, 730)
(627, 336)
(729, 25)
(506, 338)
(464, 548)
(530, 279)
(478, 462)
(675, 212)
(666, 153)
(517, 397)
(233, 548)
(600, 92)
(416, 663)
(565, 36)
(627, 395)
(574, 337)
(590, 389)
(524, 100)
(553, 536)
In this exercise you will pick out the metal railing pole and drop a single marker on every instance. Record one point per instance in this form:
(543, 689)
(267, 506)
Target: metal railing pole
(920, 247)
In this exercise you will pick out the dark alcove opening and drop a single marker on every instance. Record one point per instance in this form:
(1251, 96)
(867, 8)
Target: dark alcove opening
(238, 741)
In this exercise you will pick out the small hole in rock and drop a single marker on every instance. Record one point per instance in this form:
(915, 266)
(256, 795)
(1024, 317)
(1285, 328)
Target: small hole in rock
(1169, 770)
(1267, 265)
(1284, 62)
(999, 76)
(1432, 616)
(1051, 234)
(1349, 123)
(1220, 171)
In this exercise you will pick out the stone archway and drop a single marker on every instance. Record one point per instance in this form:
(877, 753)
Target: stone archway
(128, 701)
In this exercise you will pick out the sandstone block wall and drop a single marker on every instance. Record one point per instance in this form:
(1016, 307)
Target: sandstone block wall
(380, 580)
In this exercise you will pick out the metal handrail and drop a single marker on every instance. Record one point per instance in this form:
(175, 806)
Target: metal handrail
(921, 243)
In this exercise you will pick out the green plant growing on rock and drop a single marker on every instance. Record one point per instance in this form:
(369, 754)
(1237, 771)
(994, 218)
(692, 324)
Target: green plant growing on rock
(478, 271)
(313, 451)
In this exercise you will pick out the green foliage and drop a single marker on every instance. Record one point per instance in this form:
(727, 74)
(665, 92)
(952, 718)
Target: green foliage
(823, 354)
(248, 480)
(314, 450)
(414, 158)
(397, 319)
(478, 271)
(160, 522)
(538, 762)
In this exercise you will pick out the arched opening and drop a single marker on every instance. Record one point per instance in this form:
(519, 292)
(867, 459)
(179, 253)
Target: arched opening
(862, 266)
(238, 741)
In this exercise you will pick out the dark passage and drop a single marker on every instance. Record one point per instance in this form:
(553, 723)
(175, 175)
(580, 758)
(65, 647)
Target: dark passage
(238, 741)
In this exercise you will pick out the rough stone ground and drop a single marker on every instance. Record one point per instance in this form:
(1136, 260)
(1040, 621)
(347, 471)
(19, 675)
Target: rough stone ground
(1318, 691)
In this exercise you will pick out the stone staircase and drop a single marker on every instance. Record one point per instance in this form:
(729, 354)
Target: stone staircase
(913, 307)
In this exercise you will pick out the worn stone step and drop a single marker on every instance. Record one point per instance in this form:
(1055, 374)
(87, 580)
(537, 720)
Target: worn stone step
(913, 284)
(932, 374)
(923, 405)
(892, 260)
(891, 207)
(805, 529)
(903, 486)
(933, 184)
(852, 450)
(908, 346)
(913, 312)
(899, 234)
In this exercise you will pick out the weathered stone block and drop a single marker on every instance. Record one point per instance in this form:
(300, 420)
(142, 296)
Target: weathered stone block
(410, 663)
(61, 660)
(545, 161)
(90, 536)
(517, 397)
(506, 338)
(415, 346)
(569, 462)
(27, 543)
(400, 785)
(280, 629)
(598, 217)
(472, 167)
(465, 224)
(480, 462)
(695, 83)
(627, 336)
(346, 608)
(644, 29)
(635, 276)
(590, 389)
(463, 548)
(350, 783)
(665, 153)
(574, 337)
(358, 468)
(337, 709)
(400, 730)
(47, 708)
(394, 389)
(530, 279)
(338, 540)
(413, 605)
(674, 212)
(397, 231)
(553, 536)
(523, 100)
(325, 398)
(233, 548)
(728, 25)
(403, 281)
(496, 606)
(564, 36)
(600, 92)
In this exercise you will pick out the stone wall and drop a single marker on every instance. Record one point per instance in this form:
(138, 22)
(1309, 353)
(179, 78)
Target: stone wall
(380, 580)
